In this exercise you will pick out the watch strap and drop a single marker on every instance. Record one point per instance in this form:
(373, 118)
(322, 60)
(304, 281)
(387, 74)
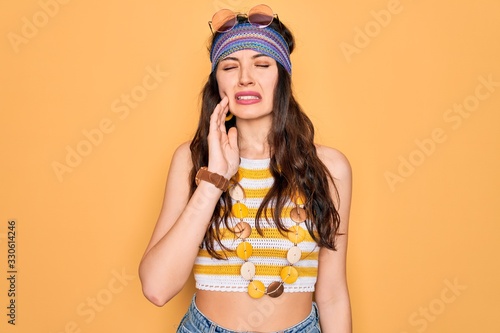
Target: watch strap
(213, 178)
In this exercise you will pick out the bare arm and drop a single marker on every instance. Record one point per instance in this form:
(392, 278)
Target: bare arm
(332, 294)
(170, 255)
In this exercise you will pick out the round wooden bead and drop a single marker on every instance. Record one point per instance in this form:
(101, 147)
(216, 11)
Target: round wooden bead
(236, 193)
(294, 254)
(244, 250)
(275, 289)
(298, 198)
(247, 270)
(239, 210)
(298, 214)
(256, 289)
(289, 274)
(296, 234)
(242, 230)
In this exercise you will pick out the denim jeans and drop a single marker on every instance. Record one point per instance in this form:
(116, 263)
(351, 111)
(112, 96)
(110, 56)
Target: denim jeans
(195, 322)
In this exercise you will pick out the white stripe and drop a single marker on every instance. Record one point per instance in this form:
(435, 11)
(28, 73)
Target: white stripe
(257, 184)
(238, 284)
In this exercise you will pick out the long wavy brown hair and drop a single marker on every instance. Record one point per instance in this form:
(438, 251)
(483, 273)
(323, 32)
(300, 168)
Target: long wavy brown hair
(294, 162)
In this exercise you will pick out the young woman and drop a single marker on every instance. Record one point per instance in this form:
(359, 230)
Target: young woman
(252, 206)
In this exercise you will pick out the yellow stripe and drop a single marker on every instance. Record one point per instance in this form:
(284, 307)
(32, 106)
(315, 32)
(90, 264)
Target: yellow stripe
(259, 270)
(263, 253)
(254, 174)
(256, 193)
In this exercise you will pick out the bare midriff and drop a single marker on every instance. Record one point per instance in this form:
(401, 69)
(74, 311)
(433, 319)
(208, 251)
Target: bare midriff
(239, 312)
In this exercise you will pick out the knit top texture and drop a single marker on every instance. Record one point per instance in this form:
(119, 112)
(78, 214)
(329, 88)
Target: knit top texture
(269, 252)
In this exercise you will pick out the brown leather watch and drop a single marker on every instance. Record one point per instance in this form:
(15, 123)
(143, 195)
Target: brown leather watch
(214, 178)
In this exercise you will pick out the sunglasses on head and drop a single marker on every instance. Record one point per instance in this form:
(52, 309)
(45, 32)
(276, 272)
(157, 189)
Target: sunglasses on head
(224, 20)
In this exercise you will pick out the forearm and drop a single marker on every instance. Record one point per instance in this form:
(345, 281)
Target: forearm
(167, 265)
(335, 315)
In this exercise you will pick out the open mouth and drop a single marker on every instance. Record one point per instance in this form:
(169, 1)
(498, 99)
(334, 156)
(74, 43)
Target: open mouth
(247, 97)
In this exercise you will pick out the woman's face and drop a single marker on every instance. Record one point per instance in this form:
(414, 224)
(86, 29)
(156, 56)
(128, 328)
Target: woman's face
(248, 78)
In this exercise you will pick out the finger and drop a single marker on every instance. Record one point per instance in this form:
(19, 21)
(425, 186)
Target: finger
(224, 104)
(213, 123)
(232, 137)
(224, 109)
(215, 118)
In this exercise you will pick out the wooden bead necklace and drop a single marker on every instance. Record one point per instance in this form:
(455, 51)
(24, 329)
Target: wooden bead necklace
(244, 250)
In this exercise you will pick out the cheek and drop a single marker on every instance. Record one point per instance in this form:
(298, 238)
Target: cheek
(272, 82)
(224, 89)
(225, 92)
(271, 88)
(221, 93)
(220, 83)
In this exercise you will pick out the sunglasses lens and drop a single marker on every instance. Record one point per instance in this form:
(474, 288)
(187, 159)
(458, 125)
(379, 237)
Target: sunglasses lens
(261, 16)
(224, 20)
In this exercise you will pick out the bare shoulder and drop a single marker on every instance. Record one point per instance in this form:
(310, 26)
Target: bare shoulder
(340, 169)
(178, 174)
(182, 157)
(336, 162)
(183, 151)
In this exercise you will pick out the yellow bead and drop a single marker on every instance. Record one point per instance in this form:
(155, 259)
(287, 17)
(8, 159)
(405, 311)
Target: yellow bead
(289, 274)
(244, 250)
(239, 210)
(298, 199)
(296, 234)
(256, 289)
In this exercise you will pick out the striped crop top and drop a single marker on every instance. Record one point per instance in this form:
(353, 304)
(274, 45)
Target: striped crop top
(269, 252)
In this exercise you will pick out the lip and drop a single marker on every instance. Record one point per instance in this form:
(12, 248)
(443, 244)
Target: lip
(255, 97)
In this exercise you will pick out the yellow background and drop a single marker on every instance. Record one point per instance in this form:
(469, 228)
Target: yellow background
(381, 102)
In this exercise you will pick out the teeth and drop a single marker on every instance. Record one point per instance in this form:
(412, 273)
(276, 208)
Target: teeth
(248, 97)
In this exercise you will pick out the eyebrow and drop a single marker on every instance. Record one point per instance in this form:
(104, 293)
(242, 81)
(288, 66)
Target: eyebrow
(253, 57)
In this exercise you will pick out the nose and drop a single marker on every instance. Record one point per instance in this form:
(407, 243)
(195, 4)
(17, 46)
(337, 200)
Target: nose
(246, 77)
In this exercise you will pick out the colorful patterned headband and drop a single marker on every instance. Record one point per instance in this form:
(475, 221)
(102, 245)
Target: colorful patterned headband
(246, 36)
